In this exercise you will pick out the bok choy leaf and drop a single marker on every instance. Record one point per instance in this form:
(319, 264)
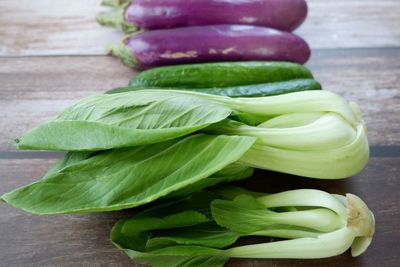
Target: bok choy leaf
(123, 120)
(125, 178)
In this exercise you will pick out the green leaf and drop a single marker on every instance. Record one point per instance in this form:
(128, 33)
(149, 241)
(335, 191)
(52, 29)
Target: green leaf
(126, 178)
(136, 230)
(233, 172)
(123, 120)
(198, 201)
(187, 255)
(244, 214)
(149, 236)
(181, 256)
(69, 159)
(206, 234)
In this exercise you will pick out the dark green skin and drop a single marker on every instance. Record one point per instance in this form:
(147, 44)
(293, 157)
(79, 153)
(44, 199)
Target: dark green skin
(255, 90)
(223, 74)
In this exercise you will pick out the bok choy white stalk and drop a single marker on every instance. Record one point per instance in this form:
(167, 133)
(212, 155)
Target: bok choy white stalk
(342, 222)
(325, 139)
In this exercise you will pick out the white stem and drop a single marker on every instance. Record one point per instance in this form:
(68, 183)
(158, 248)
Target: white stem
(323, 246)
(305, 198)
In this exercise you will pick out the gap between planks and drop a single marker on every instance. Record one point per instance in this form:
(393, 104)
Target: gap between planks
(316, 50)
(375, 152)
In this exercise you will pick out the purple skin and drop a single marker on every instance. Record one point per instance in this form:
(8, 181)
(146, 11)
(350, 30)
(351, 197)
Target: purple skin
(216, 43)
(285, 15)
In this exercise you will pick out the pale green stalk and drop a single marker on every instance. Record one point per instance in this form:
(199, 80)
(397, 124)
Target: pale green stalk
(322, 220)
(305, 198)
(285, 232)
(329, 131)
(337, 163)
(357, 234)
(323, 246)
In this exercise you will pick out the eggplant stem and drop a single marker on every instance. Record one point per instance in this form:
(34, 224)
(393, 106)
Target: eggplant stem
(123, 53)
(114, 3)
(111, 19)
(116, 19)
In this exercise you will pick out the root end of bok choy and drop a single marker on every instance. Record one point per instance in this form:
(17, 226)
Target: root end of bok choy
(362, 220)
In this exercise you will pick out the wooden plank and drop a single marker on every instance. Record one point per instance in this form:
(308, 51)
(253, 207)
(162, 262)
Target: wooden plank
(62, 27)
(47, 27)
(349, 24)
(82, 239)
(35, 89)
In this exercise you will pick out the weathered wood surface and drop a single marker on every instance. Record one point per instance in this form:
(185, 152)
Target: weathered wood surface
(53, 27)
(352, 23)
(82, 239)
(62, 27)
(52, 53)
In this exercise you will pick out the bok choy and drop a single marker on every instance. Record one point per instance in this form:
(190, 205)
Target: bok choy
(314, 134)
(196, 230)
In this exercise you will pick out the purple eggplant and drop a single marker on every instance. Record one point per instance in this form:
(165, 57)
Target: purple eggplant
(210, 44)
(285, 15)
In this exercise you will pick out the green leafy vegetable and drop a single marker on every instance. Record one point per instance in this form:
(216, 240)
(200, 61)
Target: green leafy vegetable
(182, 233)
(126, 178)
(314, 134)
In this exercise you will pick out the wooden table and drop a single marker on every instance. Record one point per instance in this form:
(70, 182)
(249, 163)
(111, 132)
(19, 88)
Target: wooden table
(52, 53)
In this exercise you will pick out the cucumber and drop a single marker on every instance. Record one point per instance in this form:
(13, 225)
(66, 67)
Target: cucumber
(268, 89)
(223, 74)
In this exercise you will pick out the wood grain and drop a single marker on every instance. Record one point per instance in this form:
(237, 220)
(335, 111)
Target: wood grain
(35, 89)
(53, 27)
(352, 24)
(82, 239)
(62, 27)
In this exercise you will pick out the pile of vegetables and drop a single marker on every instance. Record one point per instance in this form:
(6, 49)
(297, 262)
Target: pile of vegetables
(177, 135)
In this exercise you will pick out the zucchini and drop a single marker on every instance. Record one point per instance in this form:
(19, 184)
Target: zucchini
(223, 74)
(268, 89)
